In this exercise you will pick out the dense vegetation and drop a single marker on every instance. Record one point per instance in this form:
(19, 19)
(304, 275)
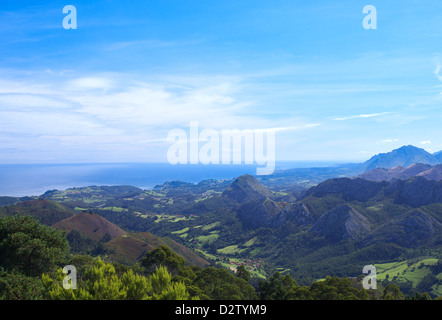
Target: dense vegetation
(236, 239)
(33, 255)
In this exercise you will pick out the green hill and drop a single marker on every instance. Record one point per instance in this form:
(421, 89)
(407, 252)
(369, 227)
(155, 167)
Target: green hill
(127, 249)
(46, 211)
(119, 245)
(421, 275)
(130, 248)
(91, 225)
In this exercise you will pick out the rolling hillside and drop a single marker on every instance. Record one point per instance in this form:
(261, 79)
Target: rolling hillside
(415, 170)
(421, 275)
(332, 228)
(122, 246)
(46, 211)
(91, 225)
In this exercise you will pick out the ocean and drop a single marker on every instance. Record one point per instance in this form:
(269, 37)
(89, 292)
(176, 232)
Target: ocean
(18, 180)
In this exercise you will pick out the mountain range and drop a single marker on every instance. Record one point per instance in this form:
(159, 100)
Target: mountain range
(92, 229)
(404, 156)
(298, 179)
(339, 219)
(415, 170)
(386, 209)
(343, 224)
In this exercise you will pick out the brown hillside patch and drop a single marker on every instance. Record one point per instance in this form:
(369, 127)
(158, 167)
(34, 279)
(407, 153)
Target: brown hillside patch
(127, 249)
(46, 211)
(130, 246)
(91, 225)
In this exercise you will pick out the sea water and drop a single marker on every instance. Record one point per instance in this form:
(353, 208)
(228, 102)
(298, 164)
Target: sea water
(35, 179)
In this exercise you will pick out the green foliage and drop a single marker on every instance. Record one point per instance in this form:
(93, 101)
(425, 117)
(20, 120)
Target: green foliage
(46, 212)
(335, 288)
(300, 293)
(421, 296)
(392, 292)
(101, 282)
(437, 268)
(212, 227)
(413, 276)
(277, 287)
(29, 247)
(220, 284)
(280, 287)
(164, 256)
(164, 289)
(243, 273)
(427, 282)
(79, 243)
(17, 286)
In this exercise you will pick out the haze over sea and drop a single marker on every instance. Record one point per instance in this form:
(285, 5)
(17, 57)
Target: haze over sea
(19, 180)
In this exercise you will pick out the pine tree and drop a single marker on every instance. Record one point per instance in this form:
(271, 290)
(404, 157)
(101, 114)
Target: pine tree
(101, 282)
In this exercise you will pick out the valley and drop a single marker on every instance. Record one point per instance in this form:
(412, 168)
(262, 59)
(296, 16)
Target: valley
(310, 229)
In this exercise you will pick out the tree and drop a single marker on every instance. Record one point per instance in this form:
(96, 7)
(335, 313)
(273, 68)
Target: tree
(164, 256)
(426, 283)
(437, 268)
(392, 292)
(164, 289)
(220, 284)
(79, 243)
(277, 287)
(300, 293)
(30, 247)
(243, 273)
(101, 282)
(335, 288)
(17, 286)
(419, 296)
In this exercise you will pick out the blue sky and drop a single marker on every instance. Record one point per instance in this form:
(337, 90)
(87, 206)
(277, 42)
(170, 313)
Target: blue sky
(111, 90)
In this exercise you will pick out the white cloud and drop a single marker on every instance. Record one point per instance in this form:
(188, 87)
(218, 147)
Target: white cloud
(301, 127)
(437, 72)
(371, 115)
(22, 102)
(425, 142)
(109, 116)
(149, 43)
(389, 140)
(86, 83)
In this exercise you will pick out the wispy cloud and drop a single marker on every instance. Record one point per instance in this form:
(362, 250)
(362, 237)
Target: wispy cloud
(389, 140)
(149, 43)
(301, 127)
(370, 115)
(109, 115)
(437, 72)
